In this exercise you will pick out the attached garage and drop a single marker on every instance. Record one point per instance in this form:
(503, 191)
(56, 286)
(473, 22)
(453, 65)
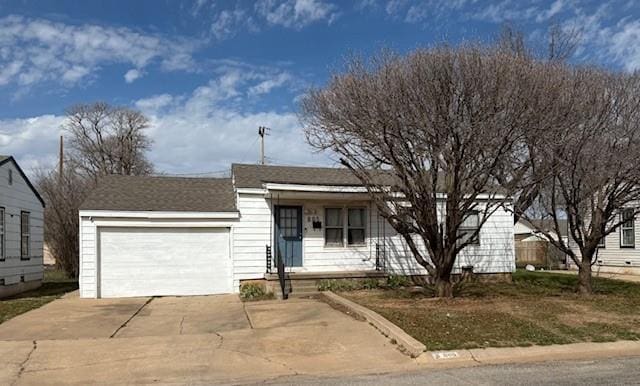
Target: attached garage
(157, 236)
(138, 261)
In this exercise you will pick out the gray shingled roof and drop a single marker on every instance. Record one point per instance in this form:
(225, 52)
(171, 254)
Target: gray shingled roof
(253, 176)
(148, 193)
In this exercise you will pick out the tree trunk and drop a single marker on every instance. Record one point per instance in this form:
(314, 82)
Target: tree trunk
(444, 288)
(584, 276)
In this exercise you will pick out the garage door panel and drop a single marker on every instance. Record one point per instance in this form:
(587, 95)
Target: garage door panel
(164, 261)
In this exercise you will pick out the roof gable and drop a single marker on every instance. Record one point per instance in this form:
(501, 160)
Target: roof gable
(5, 159)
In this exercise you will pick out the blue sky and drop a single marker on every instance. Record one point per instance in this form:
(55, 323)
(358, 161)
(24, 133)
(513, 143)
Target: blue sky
(208, 73)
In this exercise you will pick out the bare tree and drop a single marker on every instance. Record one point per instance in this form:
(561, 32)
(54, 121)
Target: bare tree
(444, 122)
(562, 43)
(591, 176)
(63, 195)
(104, 140)
(108, 140)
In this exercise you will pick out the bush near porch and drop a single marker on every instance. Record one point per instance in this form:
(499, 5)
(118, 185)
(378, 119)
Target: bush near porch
(54, 285)
(538, 308)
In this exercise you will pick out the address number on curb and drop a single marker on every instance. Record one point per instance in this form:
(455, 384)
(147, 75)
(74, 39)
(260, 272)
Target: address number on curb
(445, 355)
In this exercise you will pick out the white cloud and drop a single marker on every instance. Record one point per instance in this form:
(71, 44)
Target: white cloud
(215, 125)
(32, 141)
(621, 43)
(296, 13)
(39, 50)
(267, 85)
(227, 22)
(204, 130)
(555, 8)
(132, 75)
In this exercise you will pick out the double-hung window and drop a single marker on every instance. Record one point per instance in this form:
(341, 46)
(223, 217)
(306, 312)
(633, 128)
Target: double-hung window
(627, 229)
(339, 230)
(469, 226)
(2, 237)
(334, 227)
(355, 226)
(25, 234)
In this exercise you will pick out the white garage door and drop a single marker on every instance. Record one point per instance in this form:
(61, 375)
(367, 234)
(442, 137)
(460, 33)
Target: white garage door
(164, 261)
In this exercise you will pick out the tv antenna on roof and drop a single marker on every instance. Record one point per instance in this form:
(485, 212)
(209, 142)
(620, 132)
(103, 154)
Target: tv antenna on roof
(262, 131)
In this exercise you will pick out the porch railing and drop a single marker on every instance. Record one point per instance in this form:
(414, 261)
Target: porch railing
(269, 258)
(282, 278)
(381, 257)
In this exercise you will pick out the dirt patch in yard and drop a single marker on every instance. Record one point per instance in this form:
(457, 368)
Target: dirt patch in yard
(537, 308)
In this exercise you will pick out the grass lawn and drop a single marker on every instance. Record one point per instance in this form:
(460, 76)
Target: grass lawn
(537, 308)
(54, 285)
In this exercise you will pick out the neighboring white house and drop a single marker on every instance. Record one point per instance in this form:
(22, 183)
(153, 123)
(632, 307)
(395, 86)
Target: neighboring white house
(619, 252)
(142, 236)
(21, 230)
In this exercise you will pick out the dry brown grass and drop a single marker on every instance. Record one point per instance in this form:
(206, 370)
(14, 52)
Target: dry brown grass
(537, 308)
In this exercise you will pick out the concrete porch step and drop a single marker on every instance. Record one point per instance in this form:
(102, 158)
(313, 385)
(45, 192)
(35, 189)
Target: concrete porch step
(294, 276)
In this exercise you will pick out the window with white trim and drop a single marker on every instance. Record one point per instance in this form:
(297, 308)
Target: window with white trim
(2, 242)
(25, 234)
(356, 228)
(469, 226)
(627, 229)
(334, 227)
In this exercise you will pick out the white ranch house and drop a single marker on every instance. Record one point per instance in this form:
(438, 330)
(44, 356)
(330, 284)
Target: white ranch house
(142, 236)
(21, 230)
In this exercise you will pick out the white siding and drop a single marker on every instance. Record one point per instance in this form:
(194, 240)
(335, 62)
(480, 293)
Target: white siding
(15, 198)
(613, 257)
(87, 277)
(250, 237)
(495, 254)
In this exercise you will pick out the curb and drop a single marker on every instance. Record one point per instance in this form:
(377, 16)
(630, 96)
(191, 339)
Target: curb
(505, 355)
(407, 343)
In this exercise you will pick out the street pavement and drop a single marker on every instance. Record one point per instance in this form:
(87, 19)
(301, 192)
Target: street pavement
(618, 371)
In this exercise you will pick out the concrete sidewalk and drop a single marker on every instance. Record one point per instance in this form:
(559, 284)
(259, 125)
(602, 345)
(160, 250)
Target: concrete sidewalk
(504, 355)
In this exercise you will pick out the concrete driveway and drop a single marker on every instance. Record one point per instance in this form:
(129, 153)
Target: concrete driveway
(205, 339)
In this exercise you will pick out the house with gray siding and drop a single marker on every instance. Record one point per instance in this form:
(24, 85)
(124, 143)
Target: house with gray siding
(143, 236)
(21, 230)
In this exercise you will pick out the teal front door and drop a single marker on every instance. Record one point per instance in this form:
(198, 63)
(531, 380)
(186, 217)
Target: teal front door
(288, 233)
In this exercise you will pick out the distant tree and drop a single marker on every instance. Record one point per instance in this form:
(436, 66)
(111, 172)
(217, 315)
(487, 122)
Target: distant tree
(588, 165)
(444, 122)
(104, 140)
(108, 140)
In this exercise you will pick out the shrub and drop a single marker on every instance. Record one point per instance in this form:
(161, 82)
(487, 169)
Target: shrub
(254, 291)
(370, 284)
(397, 281)
(339, 285)
(348, 284)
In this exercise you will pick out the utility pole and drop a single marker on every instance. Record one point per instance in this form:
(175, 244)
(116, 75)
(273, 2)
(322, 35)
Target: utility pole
(61, 164)
(262, 131)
